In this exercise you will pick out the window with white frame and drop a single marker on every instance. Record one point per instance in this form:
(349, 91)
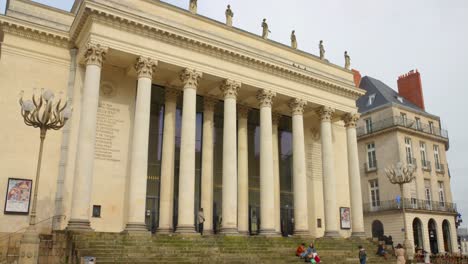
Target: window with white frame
(431, 127)
(422, 148)
(371, 99)
(368, 125)
(437, 158)
(427, 192)
(441, 194)
(404, 119)
(374, 192)
(409, 151)
(371, 157)
(418, 123)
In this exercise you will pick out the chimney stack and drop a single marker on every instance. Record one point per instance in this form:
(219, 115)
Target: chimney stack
(410, 88)
(357, 77)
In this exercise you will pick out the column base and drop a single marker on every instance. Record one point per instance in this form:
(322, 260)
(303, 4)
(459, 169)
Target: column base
(186, 230)
(136, 229)
(79, 225)
(268, 233)
(301, 233)
(358, 234)
(229, 231)
(332, 234)
(164, 230)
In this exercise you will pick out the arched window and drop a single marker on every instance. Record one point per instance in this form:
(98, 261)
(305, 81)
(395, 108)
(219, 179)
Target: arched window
(418, 233)
(377, 229)
(432, 230)
(447, 236)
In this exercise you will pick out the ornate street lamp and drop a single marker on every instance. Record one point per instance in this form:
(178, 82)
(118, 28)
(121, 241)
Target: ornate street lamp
(401, 175)
(43, 113)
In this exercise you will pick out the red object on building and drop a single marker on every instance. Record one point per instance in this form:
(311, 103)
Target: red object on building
(357, 77)
(410, 87)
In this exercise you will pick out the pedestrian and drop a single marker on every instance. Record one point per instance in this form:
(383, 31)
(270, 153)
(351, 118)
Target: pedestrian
(362, 255)
(400, 254)
(201, 220)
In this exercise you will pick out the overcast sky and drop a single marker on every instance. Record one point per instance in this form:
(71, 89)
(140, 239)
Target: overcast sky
(385, 39)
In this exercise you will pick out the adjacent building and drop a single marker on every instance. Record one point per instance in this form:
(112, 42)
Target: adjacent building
(395, 127)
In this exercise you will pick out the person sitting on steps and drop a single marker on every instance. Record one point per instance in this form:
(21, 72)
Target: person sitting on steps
(300, 249)
(381, 251)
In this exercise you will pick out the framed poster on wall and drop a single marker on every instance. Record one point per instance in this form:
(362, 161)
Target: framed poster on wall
(18, 196)
(345, 218)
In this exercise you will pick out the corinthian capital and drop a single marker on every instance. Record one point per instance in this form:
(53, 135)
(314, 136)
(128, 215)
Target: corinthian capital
(171, 94)
(190, 78)
(351, 119)
(95, 54)
(326, 113)
(275, 118)
(265, 97)
(242, 111)
(297, 106)
(230, 88)
(209, 103)
(145, 67)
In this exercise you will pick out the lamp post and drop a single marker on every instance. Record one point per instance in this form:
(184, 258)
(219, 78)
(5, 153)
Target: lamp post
(43, 113)
(401, 175)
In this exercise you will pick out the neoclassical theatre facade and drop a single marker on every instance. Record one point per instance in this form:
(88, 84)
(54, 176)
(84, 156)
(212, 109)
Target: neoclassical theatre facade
(173, 112)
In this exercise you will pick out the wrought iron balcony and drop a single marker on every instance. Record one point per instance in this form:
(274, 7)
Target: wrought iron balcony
(401, 122)
(410, 204)
(426, 165)
(370, 167)
(412, 161)
(440, 168)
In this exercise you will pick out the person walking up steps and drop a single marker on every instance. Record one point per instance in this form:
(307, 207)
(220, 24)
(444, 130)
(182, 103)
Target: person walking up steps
(362, 255)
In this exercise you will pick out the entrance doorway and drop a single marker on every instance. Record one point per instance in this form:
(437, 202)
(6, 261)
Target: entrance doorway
(377, 229)
(287, 221)
(432, 228)
(447, 237)
(417, 233)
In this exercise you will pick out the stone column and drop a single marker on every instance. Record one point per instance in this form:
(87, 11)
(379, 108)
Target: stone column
(301, 221)
(276, 172)
(267, 197)
(84, 163)
(166, 196)
(229, 214)
(357, 216)
(139, 153)
(242, 171)
(328, 170)
(186, 206)
(207, 164)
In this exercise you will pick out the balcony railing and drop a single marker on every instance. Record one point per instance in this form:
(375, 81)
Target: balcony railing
(403, 122)
(370, 167)
(426, 165)
(412, 161)
(440, 168)
(410, 204)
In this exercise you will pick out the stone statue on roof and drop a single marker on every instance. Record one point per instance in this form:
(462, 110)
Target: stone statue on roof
(265, 29)
(322, 50)
(293, 40)
(193, 6)
(347, 60)
(229, 16)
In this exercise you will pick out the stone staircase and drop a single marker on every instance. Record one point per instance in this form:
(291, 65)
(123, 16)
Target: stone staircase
(120, 248)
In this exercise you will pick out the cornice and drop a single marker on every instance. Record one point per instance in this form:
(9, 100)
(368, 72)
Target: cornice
(153, 29)
(33, 31)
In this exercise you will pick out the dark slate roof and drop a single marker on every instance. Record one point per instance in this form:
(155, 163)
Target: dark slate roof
(383, 95)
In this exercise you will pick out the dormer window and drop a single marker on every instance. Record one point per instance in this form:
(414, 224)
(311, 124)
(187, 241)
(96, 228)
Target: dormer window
(400, 99)
(371, 99)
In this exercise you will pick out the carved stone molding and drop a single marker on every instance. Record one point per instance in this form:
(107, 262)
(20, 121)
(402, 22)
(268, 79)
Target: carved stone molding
(230, 88)
(171, 94)
(190, 78)
(275, 118)
(326, 113)
(209, 103)
(95, 54)
(297, 106)
(145, 67)
(351, 119)
(242, 111)
(265, 98)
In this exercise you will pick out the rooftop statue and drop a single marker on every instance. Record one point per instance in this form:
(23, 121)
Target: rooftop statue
(229, 16)
(265, 29)
(347, 60)
(293, 40)
(322, 50)
(193, 6)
